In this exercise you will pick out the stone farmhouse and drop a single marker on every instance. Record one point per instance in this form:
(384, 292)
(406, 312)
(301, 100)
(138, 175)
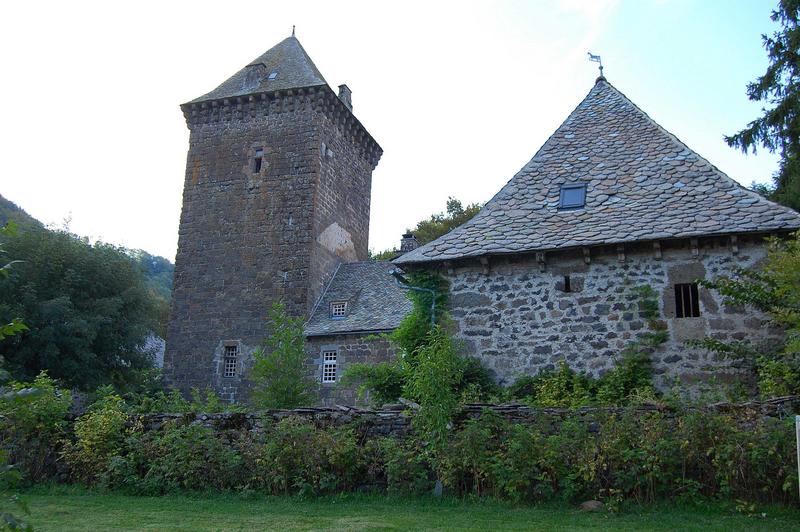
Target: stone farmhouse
(276, 206)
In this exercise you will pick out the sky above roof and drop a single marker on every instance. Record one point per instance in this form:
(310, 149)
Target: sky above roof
(460, 95)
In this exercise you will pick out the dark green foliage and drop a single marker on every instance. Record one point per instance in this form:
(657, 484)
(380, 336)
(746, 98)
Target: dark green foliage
(432, 382)
(629, 382)
(778, 129)
(158, 273)
(615, 456)
(179, 457)
(32, 426)
(87, 307)
(279, 376)
(384, 381)
(437, 225)
(414, 328)
(635, 457)
(440, 224)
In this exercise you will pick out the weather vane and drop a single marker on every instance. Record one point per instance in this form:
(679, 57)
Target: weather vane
(596, 59)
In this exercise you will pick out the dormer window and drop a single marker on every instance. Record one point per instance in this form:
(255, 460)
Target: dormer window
(338, 309)
(573, 196)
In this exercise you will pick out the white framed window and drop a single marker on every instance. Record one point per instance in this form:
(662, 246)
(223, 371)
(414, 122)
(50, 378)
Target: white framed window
(230, 360)
(329, 366)
(338, 309)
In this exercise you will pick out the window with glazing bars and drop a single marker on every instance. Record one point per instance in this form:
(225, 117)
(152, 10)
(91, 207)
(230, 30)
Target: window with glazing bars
(687, 301)
(329, 366)
(338, 309)
(230, 359)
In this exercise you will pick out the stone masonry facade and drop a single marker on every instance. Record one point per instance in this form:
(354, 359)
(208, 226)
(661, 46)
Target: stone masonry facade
(514, 314)
(350, 349)
(250, 236)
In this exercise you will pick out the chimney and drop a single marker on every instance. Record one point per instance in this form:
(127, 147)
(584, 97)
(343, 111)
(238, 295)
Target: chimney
(346, 95)
(408, 243)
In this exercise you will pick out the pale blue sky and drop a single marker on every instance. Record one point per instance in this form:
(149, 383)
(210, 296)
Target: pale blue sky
(459, 94)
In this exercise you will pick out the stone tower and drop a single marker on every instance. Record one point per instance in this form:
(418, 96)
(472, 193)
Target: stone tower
(276, 195)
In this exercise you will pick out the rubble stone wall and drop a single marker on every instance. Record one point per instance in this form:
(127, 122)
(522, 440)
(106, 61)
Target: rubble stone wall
(351, 349)
(515, 315)
(396, 420)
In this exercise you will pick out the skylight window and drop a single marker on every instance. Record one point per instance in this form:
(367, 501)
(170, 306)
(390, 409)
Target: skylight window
(573, 196)
(272, 75)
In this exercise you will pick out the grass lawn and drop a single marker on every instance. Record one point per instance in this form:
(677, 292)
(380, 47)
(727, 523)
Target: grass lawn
(59, 509)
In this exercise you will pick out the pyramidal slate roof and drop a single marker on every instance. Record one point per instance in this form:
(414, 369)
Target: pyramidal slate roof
(374, 301)
(642, 183)
(287, 63)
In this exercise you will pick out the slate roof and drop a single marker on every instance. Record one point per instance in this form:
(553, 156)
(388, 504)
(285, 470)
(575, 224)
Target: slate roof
(374, 301)
(642, 184)
(294, 68)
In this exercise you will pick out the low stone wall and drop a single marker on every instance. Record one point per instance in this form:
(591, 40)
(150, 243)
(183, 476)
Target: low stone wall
(395, 420)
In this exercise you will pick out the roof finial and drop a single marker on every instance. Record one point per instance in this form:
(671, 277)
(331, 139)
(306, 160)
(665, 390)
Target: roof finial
(292, 30)
(596, 59)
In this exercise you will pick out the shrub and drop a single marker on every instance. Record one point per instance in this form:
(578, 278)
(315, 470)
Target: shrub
(384, 381)
(298, 458)
(99, 436)
(432, 383)
(33, 427)
(279, 374)
(406, 466)
(185, 457)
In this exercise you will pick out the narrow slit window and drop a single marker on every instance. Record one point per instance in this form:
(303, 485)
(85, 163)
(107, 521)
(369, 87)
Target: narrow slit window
(338, 309)
(572, 196)
(230, 360)
(567, 284)
(329, 366)
(687, 300)
(258, 161)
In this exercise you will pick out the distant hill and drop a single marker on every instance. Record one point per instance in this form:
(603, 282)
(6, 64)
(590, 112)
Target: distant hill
(157, 270)
(10, 211)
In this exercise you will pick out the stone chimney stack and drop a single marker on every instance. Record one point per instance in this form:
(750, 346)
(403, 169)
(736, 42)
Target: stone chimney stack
(346, 95)
(408, 243)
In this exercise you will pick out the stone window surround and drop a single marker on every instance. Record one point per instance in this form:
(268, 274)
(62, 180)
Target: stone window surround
(326, 350)
(229, 346)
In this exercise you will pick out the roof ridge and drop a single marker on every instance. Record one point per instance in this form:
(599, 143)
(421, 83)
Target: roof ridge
(475, 219)
(685, 146)
(644, 183)
(288, 61)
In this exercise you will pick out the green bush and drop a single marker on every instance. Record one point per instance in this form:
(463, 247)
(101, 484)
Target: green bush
(99, 436)
(33, 427)
(405, 465)
(384, 381)
(179, 457)
(280, 378)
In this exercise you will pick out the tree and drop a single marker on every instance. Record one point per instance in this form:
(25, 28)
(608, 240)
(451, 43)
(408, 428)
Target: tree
(279, 375)
(87, 307)
(778, 129)
(441, 224)
(437, 225)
